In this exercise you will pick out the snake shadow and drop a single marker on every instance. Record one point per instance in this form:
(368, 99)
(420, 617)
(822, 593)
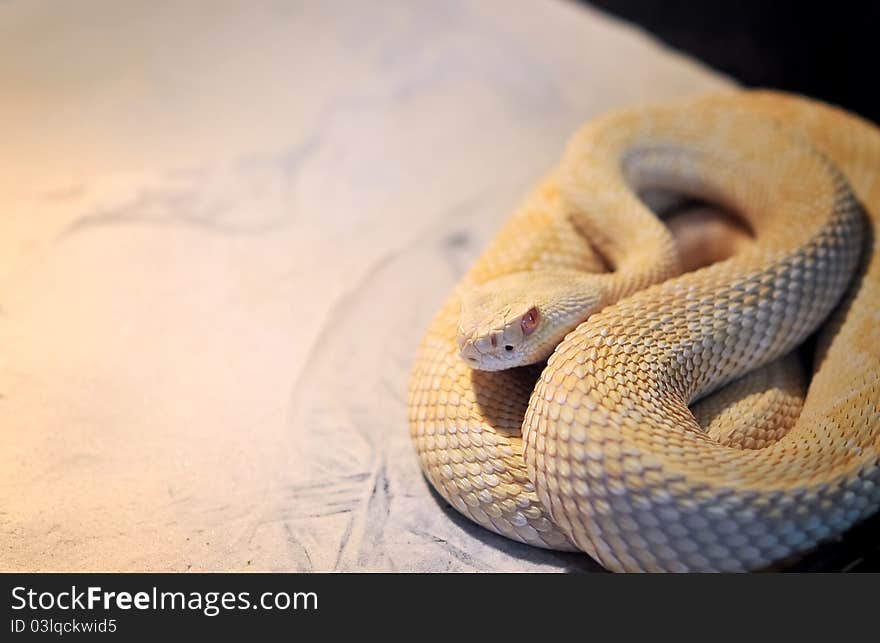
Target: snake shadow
(856, 550)
(570, 562)
(507, 420)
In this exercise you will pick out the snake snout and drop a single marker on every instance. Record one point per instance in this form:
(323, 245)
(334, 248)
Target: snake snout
(470, 354)
(488, 352)
(466, 348)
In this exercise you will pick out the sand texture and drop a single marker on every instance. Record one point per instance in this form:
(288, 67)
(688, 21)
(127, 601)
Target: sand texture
(225, 227)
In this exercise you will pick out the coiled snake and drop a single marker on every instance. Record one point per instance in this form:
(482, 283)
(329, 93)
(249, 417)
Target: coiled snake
(667, 431)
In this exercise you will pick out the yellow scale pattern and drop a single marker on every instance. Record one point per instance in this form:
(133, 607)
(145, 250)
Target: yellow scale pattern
(649, 440)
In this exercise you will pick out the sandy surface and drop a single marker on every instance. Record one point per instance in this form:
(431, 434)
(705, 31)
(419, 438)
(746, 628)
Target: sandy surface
(225, 227)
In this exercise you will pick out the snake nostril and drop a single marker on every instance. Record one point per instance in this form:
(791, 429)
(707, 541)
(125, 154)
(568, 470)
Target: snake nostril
(508, 347)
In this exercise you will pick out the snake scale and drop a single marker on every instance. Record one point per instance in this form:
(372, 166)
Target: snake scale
(680, 422)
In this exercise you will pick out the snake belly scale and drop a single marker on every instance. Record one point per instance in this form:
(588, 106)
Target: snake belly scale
(645, 440)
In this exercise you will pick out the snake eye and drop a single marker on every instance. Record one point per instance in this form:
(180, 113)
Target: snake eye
(530, 321)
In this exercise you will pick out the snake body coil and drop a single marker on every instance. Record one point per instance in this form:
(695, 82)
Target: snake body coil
(666, 431)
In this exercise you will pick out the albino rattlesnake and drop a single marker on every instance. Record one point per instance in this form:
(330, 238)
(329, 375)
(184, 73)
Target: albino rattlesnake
(611, 460)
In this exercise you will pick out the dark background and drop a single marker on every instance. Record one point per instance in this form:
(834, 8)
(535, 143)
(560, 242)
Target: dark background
(827, 50)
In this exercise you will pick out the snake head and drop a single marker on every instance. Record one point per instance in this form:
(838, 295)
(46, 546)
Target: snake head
(518, 319)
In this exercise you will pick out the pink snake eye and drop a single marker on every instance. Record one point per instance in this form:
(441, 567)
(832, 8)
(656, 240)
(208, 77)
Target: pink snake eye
(530, 321)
